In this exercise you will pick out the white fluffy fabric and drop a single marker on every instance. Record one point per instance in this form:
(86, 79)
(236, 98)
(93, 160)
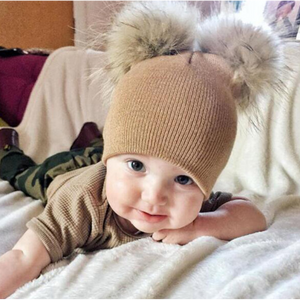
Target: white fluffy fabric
(264, 166)
(69, 91)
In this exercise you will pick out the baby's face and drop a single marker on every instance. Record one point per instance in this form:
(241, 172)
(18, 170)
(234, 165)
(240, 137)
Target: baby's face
(151, 193)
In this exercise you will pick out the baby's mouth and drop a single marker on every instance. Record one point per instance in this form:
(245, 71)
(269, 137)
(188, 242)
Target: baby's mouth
(151, 218)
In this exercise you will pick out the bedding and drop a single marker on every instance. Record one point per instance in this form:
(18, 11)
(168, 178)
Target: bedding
(264, 166)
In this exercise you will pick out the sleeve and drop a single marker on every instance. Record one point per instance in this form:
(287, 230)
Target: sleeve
(66, 222)
(215, 201)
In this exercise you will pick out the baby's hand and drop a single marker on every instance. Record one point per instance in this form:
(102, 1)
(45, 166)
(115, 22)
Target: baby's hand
(179, 236)
(231, 220)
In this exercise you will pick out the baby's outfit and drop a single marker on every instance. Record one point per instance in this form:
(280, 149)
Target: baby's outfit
(77, 213)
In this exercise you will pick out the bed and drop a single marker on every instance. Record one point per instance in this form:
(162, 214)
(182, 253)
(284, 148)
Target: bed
(264, 166)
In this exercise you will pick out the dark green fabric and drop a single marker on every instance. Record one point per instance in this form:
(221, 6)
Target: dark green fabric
(13, 162)
(32, 179)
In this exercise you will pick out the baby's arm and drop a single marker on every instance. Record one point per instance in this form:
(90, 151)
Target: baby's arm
(22, 264)
(231, 220)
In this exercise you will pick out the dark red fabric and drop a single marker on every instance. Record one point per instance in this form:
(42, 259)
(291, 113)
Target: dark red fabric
(18, 75)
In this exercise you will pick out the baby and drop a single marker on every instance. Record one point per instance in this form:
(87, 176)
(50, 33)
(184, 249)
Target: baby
(168, 135)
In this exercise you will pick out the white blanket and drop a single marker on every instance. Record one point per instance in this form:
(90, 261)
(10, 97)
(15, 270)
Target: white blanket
(264, 166)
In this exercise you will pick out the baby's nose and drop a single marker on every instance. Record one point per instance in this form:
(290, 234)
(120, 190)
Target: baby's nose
(155, 194)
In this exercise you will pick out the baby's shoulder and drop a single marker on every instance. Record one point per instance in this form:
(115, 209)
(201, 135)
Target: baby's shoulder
(215, 201)
(90, 178)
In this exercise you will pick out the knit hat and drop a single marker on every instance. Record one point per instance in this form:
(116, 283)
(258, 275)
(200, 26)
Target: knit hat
(178, 108)
(181, 108)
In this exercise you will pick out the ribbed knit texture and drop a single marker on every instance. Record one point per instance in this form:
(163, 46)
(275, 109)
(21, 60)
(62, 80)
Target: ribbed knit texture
(178, 108)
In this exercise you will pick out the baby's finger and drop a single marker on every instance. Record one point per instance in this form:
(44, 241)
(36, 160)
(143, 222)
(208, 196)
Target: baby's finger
(158, 236)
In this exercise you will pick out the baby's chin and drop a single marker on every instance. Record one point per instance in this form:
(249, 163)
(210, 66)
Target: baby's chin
(151, 228)
(147, 228)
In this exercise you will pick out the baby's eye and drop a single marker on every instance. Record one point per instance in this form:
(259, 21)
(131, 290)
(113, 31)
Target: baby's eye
(184, 180)
(136, 165)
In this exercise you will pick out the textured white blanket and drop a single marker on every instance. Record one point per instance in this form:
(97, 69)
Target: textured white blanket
(264, 166)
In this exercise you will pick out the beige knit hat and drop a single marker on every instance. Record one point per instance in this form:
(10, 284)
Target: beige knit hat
(180, 108)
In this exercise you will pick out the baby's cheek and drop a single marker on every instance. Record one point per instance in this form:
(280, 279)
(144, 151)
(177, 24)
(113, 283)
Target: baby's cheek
(113, 183)
(120, 190)
(190, 210)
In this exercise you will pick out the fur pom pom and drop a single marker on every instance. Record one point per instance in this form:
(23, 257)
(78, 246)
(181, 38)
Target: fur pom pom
(147, 29)
(254, 53)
